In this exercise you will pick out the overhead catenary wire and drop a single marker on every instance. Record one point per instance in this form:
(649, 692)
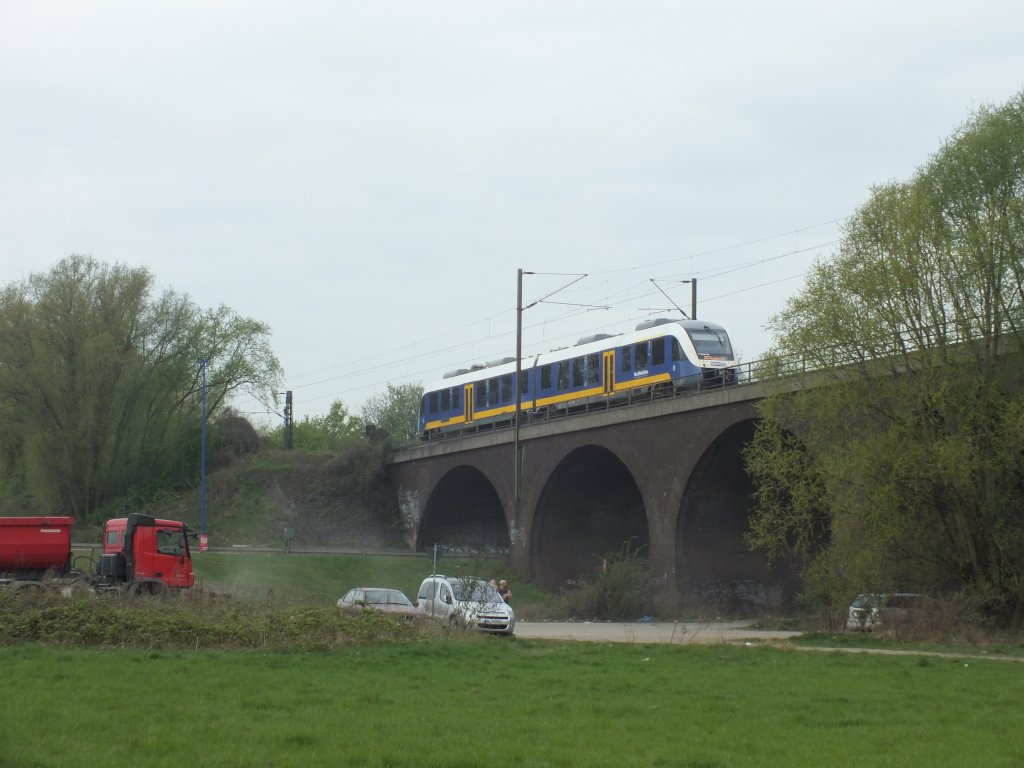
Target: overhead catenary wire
(620, 297)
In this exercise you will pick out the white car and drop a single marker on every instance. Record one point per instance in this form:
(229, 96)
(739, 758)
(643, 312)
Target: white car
(872, 611)
(468, 601)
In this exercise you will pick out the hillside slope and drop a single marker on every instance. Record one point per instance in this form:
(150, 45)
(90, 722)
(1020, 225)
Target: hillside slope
(327, 500)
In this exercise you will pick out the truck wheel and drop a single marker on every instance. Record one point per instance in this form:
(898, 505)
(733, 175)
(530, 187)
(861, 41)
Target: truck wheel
(147, 589)
(28, 589)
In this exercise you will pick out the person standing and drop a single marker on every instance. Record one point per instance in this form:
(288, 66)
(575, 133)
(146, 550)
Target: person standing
(504, 591)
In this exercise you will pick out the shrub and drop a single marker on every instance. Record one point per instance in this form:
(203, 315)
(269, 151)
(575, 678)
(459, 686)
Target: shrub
(194, 622)
(620, 589)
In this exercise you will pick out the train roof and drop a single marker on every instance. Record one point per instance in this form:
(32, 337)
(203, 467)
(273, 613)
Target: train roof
(645, 329)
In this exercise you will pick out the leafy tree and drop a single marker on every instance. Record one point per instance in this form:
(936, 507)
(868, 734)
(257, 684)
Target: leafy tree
(331, 432)
(100, 383)
(907, 438)
(395, 412)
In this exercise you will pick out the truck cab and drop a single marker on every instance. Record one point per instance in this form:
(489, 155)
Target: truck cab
(148, 554)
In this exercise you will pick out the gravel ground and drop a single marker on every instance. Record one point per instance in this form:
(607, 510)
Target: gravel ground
(682, 633)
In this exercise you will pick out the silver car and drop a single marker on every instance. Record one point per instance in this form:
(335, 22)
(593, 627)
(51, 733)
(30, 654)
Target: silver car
(378, 599)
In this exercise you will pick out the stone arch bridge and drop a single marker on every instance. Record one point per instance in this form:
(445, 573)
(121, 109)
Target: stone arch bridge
(665, 478)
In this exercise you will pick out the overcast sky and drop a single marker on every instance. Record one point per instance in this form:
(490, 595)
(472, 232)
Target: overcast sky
(366, 177)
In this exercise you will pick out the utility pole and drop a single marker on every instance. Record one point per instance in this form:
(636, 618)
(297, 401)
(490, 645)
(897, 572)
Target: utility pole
(518, 478)
(202, 460)
(289, 422)
(517, 392)
(693, 297)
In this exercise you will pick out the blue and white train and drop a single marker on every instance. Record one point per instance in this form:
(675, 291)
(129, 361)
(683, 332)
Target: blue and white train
(661, 353)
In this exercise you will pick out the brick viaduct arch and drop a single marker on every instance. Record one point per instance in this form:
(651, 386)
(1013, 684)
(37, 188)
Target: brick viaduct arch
(667, 476)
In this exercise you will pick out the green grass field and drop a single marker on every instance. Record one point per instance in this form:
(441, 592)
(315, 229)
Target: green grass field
(505, 702)
(306, 686)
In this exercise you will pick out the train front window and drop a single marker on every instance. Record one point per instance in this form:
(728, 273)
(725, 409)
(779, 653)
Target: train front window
(710, 343)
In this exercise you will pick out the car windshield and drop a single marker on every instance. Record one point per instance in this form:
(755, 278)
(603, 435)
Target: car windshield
(867, 601)
(474, 591)
(710, 342)
(385, 597)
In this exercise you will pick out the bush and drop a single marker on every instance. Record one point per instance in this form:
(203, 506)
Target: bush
(194, 622)
(620, 590)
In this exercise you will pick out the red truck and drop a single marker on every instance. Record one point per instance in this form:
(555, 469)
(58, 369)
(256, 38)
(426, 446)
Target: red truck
(141, 554)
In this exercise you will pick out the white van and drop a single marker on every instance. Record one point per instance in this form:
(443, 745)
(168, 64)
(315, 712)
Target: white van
(874, 611)
(465, 600)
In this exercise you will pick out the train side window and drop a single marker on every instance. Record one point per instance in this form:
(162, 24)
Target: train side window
(524, 384)
(677, 351)
(434, 406)
(577, 371)
(456, 398)
(563, 375)
(640, 355)
(446, 399)
(492, 391)
(593, 370)
(658, 351)
(546, 376)
(626, 356)
(506, 388)
(481, 394)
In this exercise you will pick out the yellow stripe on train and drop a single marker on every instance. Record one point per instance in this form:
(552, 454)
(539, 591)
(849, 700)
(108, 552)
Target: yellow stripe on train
(620, 386)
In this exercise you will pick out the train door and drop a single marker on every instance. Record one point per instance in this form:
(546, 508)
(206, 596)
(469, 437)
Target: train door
(467, 395)
(608, 371)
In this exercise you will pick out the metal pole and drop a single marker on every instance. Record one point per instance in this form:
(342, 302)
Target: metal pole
(202, 460)
(693, 298)
(518, 395)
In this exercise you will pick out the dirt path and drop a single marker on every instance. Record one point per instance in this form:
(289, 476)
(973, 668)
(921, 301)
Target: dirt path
(681, 633)
(697, 633)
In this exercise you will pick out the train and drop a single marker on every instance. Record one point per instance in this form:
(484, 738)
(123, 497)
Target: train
(659, 355)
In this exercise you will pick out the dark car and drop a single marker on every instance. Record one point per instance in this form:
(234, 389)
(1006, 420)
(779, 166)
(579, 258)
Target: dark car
(378, 599)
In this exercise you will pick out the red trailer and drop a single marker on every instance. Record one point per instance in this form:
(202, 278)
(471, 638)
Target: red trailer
(31, 547)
